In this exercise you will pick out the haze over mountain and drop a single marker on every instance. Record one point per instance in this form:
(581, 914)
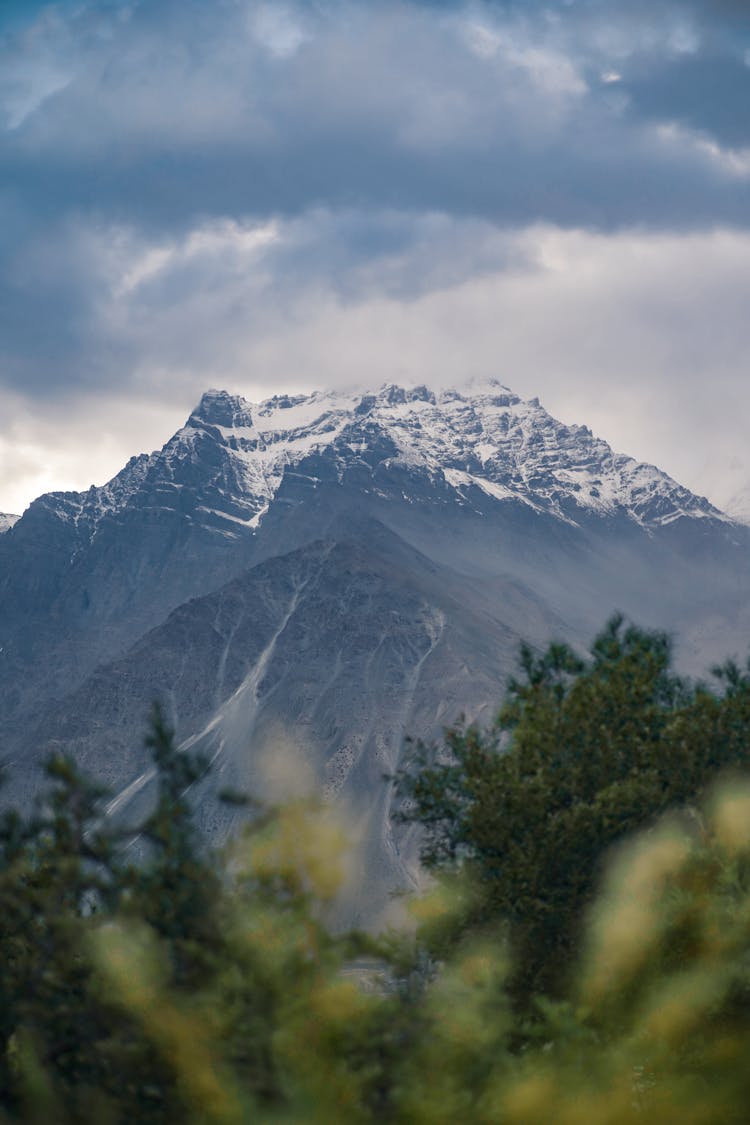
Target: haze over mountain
(739, 505)
(727, 481)
(738, 498)
(304, 580)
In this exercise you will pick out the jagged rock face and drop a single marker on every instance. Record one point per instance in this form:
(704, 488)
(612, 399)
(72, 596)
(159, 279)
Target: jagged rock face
(323, 573)
(486, 439)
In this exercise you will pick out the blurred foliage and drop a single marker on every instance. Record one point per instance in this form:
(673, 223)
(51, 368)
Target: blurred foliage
(198, 988)
(521, 817)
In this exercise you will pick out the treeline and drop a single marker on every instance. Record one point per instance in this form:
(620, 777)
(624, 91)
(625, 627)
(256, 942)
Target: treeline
(583, 956)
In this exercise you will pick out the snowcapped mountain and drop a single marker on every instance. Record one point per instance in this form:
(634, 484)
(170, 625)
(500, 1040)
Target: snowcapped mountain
(6, 521)
(329, 572)
(482, 437)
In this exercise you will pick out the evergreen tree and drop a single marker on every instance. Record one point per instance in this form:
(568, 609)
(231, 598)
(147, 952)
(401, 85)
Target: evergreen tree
(177, 890)
(582, 753)
(193, 988)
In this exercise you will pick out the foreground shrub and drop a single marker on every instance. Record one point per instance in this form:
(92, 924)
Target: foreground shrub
(197, 989)
(655, 1027)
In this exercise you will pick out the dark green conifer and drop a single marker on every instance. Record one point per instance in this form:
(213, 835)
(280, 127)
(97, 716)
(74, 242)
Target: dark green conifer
(582, 753)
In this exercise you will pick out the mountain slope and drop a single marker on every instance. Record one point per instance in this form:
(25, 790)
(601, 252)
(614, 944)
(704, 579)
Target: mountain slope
(107, 564)
(309, 666)
(327, 572)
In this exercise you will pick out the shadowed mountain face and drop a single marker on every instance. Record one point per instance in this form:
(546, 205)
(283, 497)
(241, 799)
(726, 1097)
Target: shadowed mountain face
(302, 676)
(304, 581)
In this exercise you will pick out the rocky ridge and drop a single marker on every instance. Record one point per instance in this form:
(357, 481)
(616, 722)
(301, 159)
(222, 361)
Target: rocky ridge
(483, 436)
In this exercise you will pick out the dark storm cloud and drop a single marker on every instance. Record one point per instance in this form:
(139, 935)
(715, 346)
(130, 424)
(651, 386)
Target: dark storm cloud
(188, 110)
(380, 137)
(709, 93)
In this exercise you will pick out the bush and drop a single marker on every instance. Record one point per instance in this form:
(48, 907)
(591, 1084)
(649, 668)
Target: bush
(198, 988)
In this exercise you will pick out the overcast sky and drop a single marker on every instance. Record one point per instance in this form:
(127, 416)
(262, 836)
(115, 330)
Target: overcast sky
(282, 196)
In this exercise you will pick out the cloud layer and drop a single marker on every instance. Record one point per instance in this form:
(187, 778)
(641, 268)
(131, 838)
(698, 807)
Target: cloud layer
(246, 193)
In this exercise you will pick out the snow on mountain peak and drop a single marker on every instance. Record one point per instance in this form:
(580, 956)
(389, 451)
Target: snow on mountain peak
(479, 435)
(478, 440)
(7, 520)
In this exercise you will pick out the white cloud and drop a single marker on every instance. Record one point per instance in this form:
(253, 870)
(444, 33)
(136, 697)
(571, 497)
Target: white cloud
(145, 263)
(48, 447)
(277, 27)
(643, 337)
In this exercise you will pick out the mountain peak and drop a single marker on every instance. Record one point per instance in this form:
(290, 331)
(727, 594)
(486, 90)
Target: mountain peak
(479, 437)
(7, 520)
(476, 444)
(220, 408)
